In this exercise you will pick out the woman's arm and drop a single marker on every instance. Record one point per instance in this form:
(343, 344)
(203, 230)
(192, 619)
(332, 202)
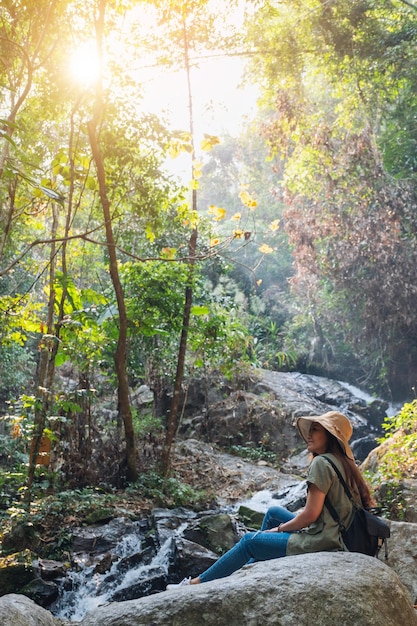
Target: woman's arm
(313, 508)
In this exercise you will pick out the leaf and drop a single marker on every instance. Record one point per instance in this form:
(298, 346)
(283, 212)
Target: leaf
(218, 212)
(168, 253)
(200, 310)
(91, 183)
(209, 142)
(265, 249)
(150, 235)
(248, 200)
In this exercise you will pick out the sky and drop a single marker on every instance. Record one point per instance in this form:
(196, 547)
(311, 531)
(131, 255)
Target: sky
(220, 101)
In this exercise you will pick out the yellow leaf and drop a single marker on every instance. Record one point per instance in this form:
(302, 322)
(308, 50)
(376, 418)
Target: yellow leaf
(197, 169)
(168, 253)
(259, 282)
(248, 200)
(265, 249)
(176, 146)
(214, 242)
(217, 212)
(149, 233)
(208, 142)
(274, 225)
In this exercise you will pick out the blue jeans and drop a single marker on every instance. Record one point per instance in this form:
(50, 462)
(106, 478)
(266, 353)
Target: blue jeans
(254, 546)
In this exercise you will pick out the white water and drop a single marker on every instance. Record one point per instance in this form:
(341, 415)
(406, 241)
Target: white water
(91, 590)
(393, 409)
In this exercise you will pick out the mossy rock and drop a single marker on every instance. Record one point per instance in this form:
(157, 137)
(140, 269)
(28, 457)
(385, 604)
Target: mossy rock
(251, 518)
(16, 571)
(100, 516)
(22, 536)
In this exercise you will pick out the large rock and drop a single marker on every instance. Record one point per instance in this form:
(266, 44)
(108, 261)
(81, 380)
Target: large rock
(17, 610)
(263, 412)
(323, 588)
(402, 555)
(15, 571)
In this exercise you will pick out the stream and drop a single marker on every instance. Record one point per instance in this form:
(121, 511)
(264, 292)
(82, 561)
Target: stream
(140, 559)
(85, 588)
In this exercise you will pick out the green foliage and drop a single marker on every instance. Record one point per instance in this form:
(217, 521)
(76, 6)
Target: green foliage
(11, 482)
(400, 460)
(252, 453)
(146, 424)
(396, 461)
(80, 502)
(391, 500)
(16, 370)
(168, 492)
(220, 340)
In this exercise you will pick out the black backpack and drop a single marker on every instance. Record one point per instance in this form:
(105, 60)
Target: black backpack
(366, 533)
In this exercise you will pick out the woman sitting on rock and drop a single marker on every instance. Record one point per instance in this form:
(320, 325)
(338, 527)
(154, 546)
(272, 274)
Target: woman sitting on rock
(313, 529)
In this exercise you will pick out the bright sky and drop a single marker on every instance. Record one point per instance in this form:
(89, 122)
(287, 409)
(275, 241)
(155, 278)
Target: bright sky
(220, 102)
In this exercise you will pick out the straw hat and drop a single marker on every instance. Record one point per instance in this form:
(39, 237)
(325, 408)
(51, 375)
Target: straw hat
(335, 423)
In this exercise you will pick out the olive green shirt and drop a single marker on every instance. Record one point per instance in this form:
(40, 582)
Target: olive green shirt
(324, 533)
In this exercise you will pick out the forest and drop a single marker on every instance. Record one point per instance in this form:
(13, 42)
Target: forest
(290, 245)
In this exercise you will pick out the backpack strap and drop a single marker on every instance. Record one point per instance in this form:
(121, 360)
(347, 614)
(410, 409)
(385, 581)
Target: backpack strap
(339, 475)
(327, 502)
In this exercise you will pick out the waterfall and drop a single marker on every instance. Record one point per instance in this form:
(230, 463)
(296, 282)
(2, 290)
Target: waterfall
(86, 589)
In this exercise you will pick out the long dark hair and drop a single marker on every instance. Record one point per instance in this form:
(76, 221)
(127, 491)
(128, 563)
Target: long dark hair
(352, 471)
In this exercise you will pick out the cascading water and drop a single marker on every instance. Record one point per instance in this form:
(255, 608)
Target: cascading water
(86, 589)
(134, 569)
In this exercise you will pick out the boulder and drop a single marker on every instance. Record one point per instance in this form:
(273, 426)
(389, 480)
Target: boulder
(191, 559)
(18, 610)
(264, 410)
(41, 591)
(16, 570)
(215, 532)
(322, 588)
(22, 536)
(402, 555)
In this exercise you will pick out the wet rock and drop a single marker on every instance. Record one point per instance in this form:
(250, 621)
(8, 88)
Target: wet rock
(104, 564)
(363, 446)
(293, 497)
(216, 532)
(101, 538)
(252, 519)
(16, 570)
(40, 591)
(145, 557)
(152, 584)
(50, 569)
(166, 521)
(191, 560)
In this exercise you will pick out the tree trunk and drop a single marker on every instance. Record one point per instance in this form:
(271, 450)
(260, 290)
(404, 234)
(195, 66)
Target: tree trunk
(174, 413)
(173, 420)
(121, 349)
